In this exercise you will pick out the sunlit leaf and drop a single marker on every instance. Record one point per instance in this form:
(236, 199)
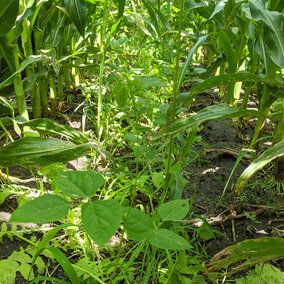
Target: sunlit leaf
(270, 154)
(166, 239)
(101, 219)
(44, 209)
(79, 184)
(173, 210)
(214, 112)
(138, 224)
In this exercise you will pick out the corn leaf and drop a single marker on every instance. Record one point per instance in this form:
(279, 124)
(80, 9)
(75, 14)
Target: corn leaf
(77, 13)
(273, 32)
(229, 78)
(251, 252)
(8, 14)
(46, 126)
(29, 60)
(272, 153)
(215, 112)
(39, 152)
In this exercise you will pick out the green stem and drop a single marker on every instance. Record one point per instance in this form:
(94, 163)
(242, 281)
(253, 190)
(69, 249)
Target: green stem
(43, 87)
(18, 87)
(174, 103)
(106, 12)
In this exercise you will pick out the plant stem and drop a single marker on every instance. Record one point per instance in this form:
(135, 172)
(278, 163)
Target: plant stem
(174, 103)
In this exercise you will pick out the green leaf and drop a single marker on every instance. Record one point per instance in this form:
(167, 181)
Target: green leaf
(66, 265)
(158, 179)
(121, 6)
(273, 32)
(79, 184)
(166, 239)
(29, 60)
(220, 111)
(24, 269)
(191, 52)
(39, 152)
(229, 78)
(229, 51)
(174, 210)
(251, 252)
(121, 93)
(8, 269)
(8, 14)
(44, 209)
(177, 185)
(139, 21)
(152, 14)
(46, 126)
(58, 32)
(101, 219)
(77, 13)
(138, 224)
(270, 154)
(46, 239)
(150, 81)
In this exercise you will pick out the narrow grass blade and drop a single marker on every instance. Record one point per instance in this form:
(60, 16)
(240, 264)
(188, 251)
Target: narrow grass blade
(46, 239)
(66, 265)
(191, 52)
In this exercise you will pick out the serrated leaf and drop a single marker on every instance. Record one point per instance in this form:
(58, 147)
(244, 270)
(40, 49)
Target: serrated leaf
(166, 239)
(39, 152)
(101, 219)
(44, 209)
(21, 257)
(79, 184)
(25, 270)
(174, 210)
(8, 269)
(40, 265)
(138, 224)
(150, 81)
